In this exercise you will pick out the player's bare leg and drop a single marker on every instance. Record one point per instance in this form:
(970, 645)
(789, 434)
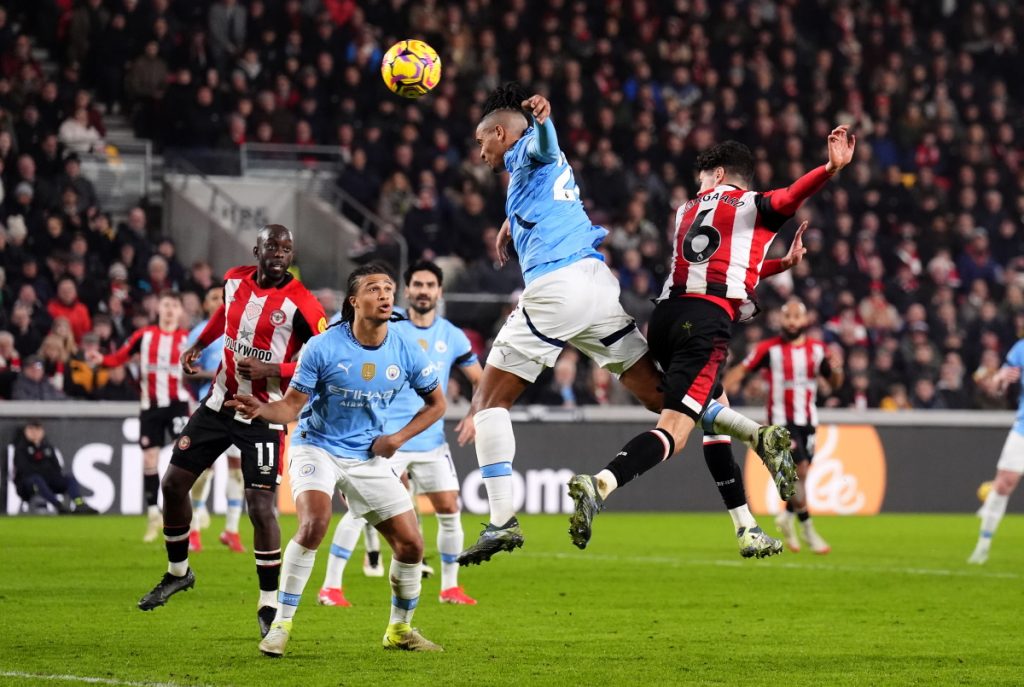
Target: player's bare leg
(151, 487)
(495, 451)
(177, 516)
(643, 380)
(992, 511)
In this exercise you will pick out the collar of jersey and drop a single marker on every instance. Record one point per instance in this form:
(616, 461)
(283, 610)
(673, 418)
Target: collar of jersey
(347, 328)
(729, 186)
(521, 138)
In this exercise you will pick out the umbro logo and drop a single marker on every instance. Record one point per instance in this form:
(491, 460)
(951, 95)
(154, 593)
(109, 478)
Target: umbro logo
(345, 368)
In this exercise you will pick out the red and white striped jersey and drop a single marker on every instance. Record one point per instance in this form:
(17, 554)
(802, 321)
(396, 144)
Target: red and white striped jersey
(270, 325)
(792, 373)
(160, 374)
(721, 241)
(723, 236)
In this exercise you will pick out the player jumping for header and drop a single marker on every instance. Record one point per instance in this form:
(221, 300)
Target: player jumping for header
(571, 297)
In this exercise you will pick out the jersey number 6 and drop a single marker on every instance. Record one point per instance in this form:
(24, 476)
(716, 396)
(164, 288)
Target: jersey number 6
(701, 240)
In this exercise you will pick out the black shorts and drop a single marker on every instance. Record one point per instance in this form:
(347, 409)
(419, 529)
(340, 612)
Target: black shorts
(689, 337)
(155, 424)
(209, 433)
(802, 446)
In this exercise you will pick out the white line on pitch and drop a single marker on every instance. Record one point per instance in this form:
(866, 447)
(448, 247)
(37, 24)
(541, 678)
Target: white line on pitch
(720, 563)
(87, 680)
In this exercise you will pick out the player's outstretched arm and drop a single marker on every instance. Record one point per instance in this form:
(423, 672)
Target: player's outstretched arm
(434, 404)
(279, 412)
(841, 144)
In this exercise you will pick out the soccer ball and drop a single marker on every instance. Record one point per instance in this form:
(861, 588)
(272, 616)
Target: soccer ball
(983, 491)
(411, 68)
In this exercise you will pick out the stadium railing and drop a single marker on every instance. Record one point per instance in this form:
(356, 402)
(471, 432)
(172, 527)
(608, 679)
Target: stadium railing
(122, 174)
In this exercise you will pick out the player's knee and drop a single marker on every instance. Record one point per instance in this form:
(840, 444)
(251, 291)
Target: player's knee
(409, 550)
(176, 484)
(1006, 482)
(261, 509)
(312, 530)
(445, 503)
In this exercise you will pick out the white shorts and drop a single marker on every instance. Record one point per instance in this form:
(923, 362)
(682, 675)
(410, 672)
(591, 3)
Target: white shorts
(577, 304)
(1012, 457)
(430, 471)
(371, 487)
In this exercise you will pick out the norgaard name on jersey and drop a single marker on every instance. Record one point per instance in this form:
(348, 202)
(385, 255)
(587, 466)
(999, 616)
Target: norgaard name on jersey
(247, 351)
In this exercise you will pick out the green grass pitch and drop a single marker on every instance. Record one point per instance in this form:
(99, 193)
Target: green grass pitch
(655, 600)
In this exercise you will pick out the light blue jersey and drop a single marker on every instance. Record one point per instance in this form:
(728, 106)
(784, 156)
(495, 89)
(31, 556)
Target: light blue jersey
(1015, 358)
(351, 388)
(446, 346)
(550, 228)
(209, 360)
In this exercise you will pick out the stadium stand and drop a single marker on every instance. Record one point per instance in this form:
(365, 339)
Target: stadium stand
(915, 269)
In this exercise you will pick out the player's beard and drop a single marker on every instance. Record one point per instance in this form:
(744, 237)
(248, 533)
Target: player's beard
(423, 309)
(789, 335)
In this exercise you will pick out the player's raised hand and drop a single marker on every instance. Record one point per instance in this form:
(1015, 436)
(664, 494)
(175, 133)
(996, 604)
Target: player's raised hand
(466, 429)
(796, 249)
(189, 358)
(247, 406)
(840, 148)
(251, 368)
(385, 446)
(538, 106)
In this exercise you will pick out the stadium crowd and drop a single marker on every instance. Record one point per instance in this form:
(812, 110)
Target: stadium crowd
(914, 271)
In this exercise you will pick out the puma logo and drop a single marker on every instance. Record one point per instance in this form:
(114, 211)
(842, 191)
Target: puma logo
(345, 368)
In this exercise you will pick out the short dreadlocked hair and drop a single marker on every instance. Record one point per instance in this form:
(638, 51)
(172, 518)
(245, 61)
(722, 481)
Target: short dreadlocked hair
(510, 96)
(734, 157)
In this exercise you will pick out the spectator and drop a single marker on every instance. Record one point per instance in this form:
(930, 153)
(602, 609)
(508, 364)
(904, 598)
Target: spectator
(67, 305)
(32, 385)
(10, 363)
(38, 471)
(81, 379)
(78, 134)
(118, 386)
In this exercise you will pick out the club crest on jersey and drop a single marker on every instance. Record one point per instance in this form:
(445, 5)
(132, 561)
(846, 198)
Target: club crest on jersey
(253, 310)
(392, 372)
(369, 371)
(277, 318)
(423, 344)
(183, 443)
(440, 346)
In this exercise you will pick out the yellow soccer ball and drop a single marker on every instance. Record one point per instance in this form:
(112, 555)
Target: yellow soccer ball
(983, 491)
(411, 68)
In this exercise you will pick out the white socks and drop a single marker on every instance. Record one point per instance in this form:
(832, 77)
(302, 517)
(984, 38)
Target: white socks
(728, 421)
(235, 491)
(372, 541)
(741, 517)
(495, 451)
(992, 513)
(346, 535)
(295, 570)
(449, 544)
(606, 483)
(405, 591)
